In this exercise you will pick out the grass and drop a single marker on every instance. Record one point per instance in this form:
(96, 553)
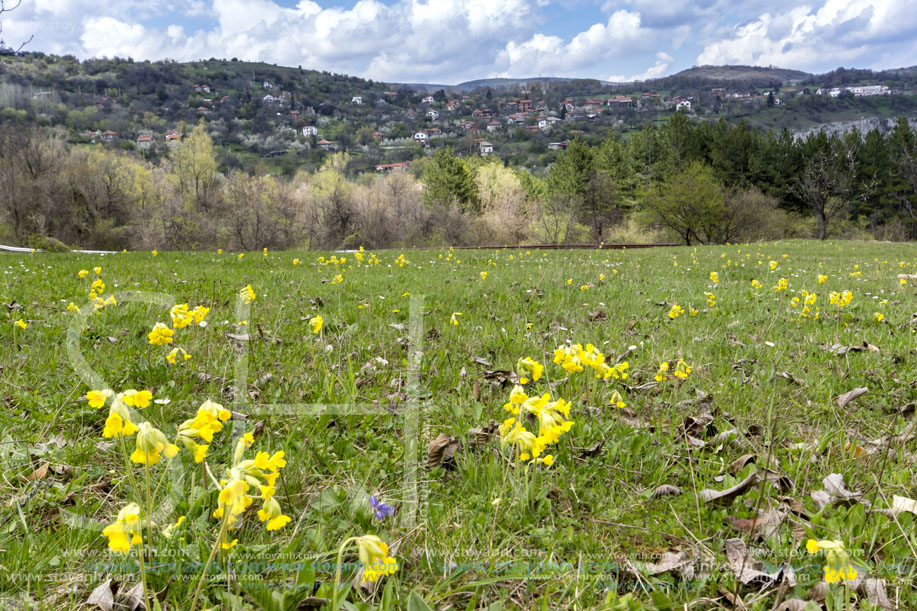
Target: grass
(586, 533)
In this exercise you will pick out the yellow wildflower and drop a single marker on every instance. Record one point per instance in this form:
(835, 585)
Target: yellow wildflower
(160, 335)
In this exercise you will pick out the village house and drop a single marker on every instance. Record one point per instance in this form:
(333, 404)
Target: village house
(357, 99)
(493, 126)
(428, 100)
(145, 142)
(620, 102)
(309, 130)
(485, 148)
(421, 137)
(682, 104)
(558, 146)
(269, 99)
(267, 85)
(525, 105)
(202, 88)
(393, 167)
(531, 129)
(108, 136)
(325, 145)
(434, 115)
(173, 138)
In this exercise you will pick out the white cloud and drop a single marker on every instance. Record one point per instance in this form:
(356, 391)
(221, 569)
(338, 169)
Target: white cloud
(663, 61)
(838, 32)
(593, 48)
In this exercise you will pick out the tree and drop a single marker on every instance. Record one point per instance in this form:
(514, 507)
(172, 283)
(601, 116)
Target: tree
(690, 202)
(827, 180)
(448, 180)
(6, 8)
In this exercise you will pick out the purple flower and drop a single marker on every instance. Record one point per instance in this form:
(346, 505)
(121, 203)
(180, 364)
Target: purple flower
(380, 509)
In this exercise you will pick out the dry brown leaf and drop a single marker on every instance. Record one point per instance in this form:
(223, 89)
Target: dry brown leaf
(482, 436)
(102, 597)
(38, 473)
(132, 599)
(593, 451)
(793, 604)
(666, 490)
(726, 497)
(847, 397)
(441, 451)
(874, 589)
(835, 492)
(739, 464)
(680, 562)
(764, 526)
(747, 570)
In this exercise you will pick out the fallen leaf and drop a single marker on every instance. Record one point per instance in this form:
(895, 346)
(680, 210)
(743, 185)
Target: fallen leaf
(598, 315)
(739, 464)
(795, 604)
(836, 493)
(441, 451)
(38, 473)
(483, 436)
(483, 362)
(102, 597)
(666, 490)
(593, 451)
(132, 599)
(239, 337)
(726, 497)
(764, 526)
(669, 561)
(747, 570)
(874, 589)
(847, 397)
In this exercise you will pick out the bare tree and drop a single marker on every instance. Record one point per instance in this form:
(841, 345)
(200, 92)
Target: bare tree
(4, 50)
(827, 183)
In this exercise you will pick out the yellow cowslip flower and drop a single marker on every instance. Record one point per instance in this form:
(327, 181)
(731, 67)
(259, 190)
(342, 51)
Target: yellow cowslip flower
(569, 281)
(97, 286)
(83, 273)
(97, 398)
(208, 421)
(118, 423)
(822, 278)
(756, 285)
(782, 285)
(601, 277)
(160, 335)
(295, 261)
(453, 320)
(773, 265)
(374, 557)
(714, 278)
(902, 282)
(227, 545)
(315, 323)
(271, 513)
(219, 251)
(483, 275)
(200, 313)
(528, 368)
(110, 301)
(152, 445)
(155, 253)
(181, 316)
(97, 270)
(247, 294)
(676, 311)
(840, 299)
(568, 358)
(837, 562)
(21, 324)
(239, 257)
(662, 373)
(265, 251)
(879, 316)
(682, 370)
(125, 531)
(173, 355)
(136, 398)
(711, 299)
(616, 399)
(338, 279)
(72, 307)
(169, 530)
(547, 460)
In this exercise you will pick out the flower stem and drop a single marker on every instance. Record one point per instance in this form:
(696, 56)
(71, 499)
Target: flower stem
(213, 551)
(130, 475)
(337, 574)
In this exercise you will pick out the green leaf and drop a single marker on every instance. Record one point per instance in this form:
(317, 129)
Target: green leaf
(416, 603)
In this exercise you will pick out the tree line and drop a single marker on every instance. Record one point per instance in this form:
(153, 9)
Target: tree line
(705, 182)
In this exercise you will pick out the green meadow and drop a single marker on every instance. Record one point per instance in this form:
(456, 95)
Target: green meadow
(694, 476)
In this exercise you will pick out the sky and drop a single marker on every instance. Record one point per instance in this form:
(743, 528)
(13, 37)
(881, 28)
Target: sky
(450, 41)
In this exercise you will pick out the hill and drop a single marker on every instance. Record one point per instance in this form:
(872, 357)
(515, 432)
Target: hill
(743, 73)
(286, 118)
